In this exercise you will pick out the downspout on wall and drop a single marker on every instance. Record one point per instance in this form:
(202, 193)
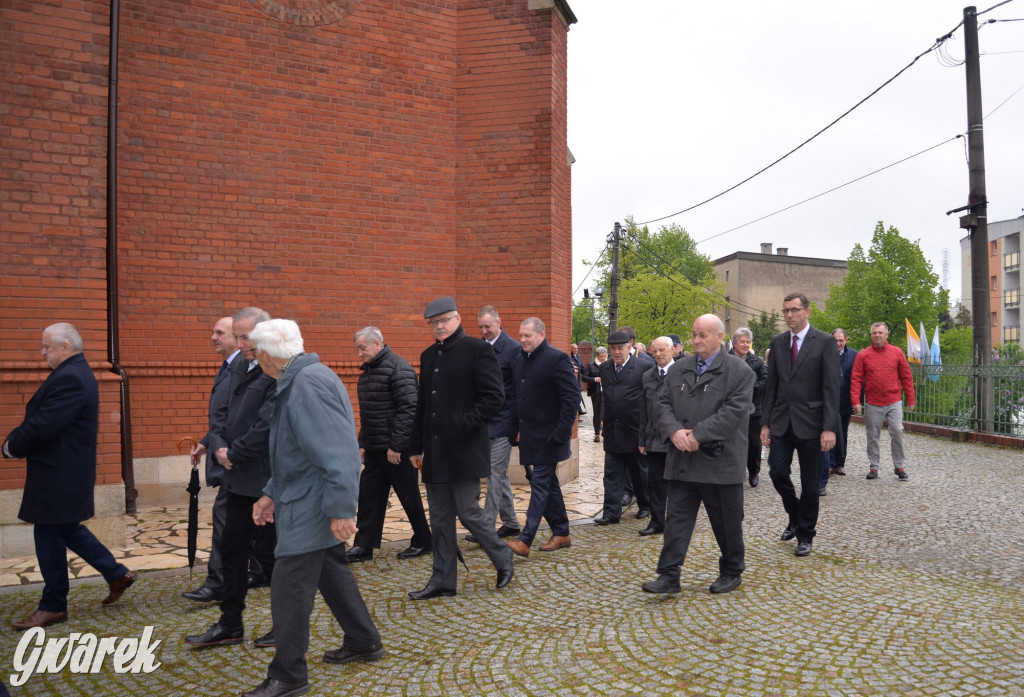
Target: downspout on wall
(131, 494)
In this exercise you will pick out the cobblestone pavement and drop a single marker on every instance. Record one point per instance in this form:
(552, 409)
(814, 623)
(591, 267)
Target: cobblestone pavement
(914, 588)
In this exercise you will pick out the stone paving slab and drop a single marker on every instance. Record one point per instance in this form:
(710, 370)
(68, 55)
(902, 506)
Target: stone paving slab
(914, 588)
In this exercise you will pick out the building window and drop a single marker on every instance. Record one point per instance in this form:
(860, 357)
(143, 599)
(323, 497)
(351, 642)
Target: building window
(993, 319)
(1011, 298)
(995, 247)
(1011, 333)
(1011, 262)
(995, 283)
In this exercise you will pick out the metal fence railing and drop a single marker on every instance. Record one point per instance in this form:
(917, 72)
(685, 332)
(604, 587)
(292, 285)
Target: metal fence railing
(947, 395)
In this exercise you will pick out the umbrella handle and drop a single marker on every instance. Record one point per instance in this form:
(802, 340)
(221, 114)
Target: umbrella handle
(191, 444)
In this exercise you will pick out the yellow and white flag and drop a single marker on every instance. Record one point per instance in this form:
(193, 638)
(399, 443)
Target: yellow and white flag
(913, 343)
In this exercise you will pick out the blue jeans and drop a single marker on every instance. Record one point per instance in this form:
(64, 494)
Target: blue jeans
(52, 544)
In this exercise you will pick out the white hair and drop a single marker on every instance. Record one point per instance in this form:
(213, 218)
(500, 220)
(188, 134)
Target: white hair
(63, 332)
(279, 338)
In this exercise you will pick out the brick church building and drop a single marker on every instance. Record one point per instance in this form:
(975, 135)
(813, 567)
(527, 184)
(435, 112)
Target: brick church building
(338, 162)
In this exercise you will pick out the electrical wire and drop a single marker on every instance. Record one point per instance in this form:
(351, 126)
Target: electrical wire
(592, 267)
(1014, 94)
(938, 42)
(998, 4)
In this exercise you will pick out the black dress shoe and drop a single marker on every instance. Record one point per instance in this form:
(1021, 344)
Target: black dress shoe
(803, 549)
(755, 479)
(216, 635)
(429, 592)
(642, 514)
(661, 585)
(651, 530)
(359, 554)
(504, 577)
(276, 688)
(255, 580)
(605, 520)
(789, 533)
(507, 531)
(724, 584)
(627, 500)
(266, 641)
(347, 654)
(413, 552)
(821, 491)
(203, 595)
(470, 538)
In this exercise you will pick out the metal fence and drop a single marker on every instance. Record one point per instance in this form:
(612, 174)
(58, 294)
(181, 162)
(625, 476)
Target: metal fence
(947, 395)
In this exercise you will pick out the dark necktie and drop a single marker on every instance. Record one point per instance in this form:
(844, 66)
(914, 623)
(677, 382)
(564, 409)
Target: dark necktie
(618, 369)
(661, 373)
(223, 368)
(794, 349)
(701, 366)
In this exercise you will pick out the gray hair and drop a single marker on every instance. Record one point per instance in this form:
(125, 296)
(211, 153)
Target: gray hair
(881, 324)
(63, 332)
(743, 331)
(600, 350)
(663, 340)
(279, 338)
(538, 325)
(371, 334)
(257, 314)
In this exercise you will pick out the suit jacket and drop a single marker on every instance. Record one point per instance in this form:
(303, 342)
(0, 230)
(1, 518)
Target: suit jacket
(622, 398)
(58, 438)
(244, 428)
(846, 372)
(804, 396)
(506, 350)
(589, 373)
(315, 457)
(545, 398)
(650, 435)
(716, 406)
(218, 397)
(460, 391)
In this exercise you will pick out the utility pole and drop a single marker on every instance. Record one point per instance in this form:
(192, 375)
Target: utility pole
(976, 221)
(615, 237)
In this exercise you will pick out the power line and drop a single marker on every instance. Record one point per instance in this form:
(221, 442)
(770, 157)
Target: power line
(998, 4)
(592, 267)
(835, 188)
(938, 42)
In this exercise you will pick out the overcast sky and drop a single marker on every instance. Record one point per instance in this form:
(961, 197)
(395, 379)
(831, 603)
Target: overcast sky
(672, 102)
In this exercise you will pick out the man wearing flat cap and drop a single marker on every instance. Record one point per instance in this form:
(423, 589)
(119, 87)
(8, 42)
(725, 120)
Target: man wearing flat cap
(622, 393)
(459, 393)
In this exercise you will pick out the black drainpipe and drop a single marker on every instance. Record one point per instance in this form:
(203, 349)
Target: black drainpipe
(113, 310)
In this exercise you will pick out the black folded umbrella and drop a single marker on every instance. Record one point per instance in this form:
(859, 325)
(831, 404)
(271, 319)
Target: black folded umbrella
(193, 489)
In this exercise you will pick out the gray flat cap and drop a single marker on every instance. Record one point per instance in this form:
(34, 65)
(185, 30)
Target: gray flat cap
(440, 306)
(619, 337)
(675, 340)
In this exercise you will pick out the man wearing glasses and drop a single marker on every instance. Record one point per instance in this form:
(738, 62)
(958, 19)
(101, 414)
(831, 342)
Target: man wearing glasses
(459, 393)
(801, 413)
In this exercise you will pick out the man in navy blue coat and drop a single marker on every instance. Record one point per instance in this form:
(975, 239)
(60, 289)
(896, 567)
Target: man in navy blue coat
(546, 398)
(58, 438)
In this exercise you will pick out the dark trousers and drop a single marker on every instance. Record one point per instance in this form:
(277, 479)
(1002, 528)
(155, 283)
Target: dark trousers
(375, 484)
(754, 446)
(836, 457)
(657, 487)
(52, 544)
(239, 533)
(595, 401)
(292, 592)
(460, 499)
(803, 512)
(617, 468)
(545, 502)
(215, 570)
(724, 505)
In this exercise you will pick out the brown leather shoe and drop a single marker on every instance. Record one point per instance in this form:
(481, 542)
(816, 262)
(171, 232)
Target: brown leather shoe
(118, 587)
(40, 618)
(556, 542)
(518, 547)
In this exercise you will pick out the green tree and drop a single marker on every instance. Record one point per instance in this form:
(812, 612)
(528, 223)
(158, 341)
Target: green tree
(581, 315)
(890, 282)
(764, 328)
(656, 305)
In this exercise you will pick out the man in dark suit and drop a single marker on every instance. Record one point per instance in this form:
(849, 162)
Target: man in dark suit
(460, 391)
(622, 399)
(500, 502)
(652, 445)
(223, 339)
(836, 458)
(241, 445)
(628, 494)
(577, 365)
(801, 413)
(546, 398)
(58, 438)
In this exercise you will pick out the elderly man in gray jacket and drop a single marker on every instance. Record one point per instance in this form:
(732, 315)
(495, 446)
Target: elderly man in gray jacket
(703, 409)
(312, 494)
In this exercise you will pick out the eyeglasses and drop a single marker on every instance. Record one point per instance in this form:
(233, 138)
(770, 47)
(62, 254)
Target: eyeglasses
(441, 321)
(792, 310)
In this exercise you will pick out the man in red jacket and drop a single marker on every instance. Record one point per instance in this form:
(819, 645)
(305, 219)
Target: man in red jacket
(882, 369)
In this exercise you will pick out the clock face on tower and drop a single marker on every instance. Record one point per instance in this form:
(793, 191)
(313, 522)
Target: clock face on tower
(307, 13)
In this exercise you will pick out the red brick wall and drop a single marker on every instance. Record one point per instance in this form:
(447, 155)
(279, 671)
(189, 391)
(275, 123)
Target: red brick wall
(340, 175)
